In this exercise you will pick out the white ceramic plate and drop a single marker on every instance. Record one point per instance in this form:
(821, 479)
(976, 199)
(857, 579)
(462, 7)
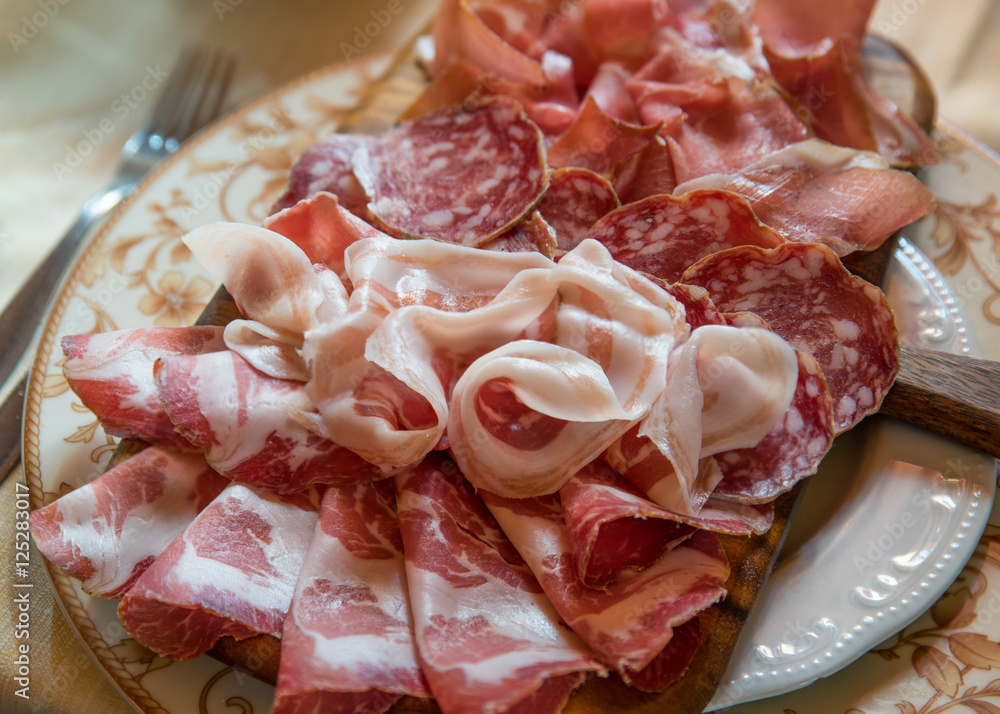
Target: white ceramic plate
(136, 272)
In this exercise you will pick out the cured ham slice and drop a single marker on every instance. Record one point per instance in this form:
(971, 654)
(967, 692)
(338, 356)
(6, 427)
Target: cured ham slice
(231, 572)
(108, 532)
(326, 166)
(599, 142)
(573, 202)
(807, 296)
(613, 527)
(664, 235)
(577, 394)
(489, 639)
(631, 622)
(347, 643)
(648, 173)
(111, 373)
(244, 420)
(461, 175)
(814, 192)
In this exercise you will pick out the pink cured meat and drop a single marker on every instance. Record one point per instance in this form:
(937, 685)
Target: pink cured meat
(807, 297)
(242, 420)
(575, 199)
(326, 166)
(108, 532)
(347, 643)
(614, 527)
(664, 235)
(461, 175)
(647, 173)
(231, 572)
(631, 622)
(814, 192)
(488, 638)
(532, 235)
(790, 451)
(698, 306)
(112, 373)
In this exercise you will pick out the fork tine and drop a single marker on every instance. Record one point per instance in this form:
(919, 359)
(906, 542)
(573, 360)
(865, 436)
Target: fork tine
(212, 72)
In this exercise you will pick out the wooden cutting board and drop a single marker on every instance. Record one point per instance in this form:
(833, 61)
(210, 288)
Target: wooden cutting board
(753, 558)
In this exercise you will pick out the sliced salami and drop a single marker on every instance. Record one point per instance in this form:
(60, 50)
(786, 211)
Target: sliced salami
(532, 235)
(347, 643)
(326, 166)
(790, 451)
(664, 235)
(575, 199)
(462, 175)
(108, 532)
(488, 637)
(807, 297)
(112, 375)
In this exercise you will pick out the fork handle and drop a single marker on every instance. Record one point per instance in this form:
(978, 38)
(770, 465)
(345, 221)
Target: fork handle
(20, 320)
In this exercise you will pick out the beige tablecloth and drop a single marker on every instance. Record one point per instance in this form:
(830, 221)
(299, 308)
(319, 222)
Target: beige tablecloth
(64, 64)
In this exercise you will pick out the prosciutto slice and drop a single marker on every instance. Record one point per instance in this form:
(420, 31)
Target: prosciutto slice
(111, 373)
(613, 527)
(108, 532)
(347, 643)
(461, 175)
(664, 235)
(807, 296)
(814, 192)
(489, 639)
(231, 572)
(631, 622)
(244, 420)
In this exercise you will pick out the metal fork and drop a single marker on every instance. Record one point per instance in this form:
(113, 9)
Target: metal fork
(193, 96)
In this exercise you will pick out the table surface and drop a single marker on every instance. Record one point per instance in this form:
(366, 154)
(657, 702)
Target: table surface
(65, 64)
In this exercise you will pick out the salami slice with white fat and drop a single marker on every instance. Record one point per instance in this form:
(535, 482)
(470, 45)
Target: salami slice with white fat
(664, 235)
(575, 199)
(807, 297)
(462, 175)
(326, 166)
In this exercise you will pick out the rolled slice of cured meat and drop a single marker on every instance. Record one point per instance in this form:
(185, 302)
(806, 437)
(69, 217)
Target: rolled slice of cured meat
(807, 297)
(814, 192)
(108, 532)
(231, 572)
(489, 639)
(462, 175)
(575, 199)
(531, 235)
(664, 235)
(613, 527)
(631, 622)
(112, 374)
(348, 642)
(244, 420)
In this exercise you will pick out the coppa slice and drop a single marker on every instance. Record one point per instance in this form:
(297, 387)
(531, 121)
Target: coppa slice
(110, 372)
(461, 175)
(231, 572)
(630, 623)
(347, 643)
(664, 235)
(807, 297)
(210, 399)
(489, 639)
(108, 532)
